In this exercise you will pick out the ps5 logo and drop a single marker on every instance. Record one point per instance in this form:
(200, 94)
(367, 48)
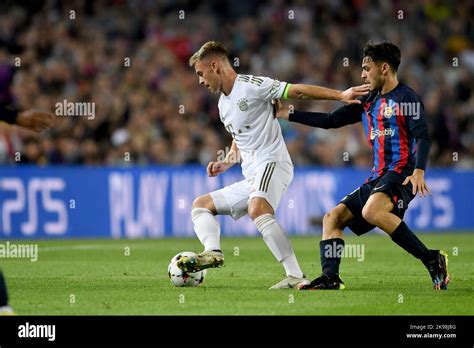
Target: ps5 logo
(19, 197)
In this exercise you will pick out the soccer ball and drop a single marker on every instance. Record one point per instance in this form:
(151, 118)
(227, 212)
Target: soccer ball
(181, 278)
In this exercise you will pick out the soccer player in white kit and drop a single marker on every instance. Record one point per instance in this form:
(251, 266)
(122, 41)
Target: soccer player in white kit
(246, 110)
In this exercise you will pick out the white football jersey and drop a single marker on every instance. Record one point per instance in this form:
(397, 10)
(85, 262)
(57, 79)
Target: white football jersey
(247, 114)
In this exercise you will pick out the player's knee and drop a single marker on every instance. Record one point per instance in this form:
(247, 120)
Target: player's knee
(370, 214)
(332, 219)
(204, 201)
(257, 208)
(254, 211)
(199, 202)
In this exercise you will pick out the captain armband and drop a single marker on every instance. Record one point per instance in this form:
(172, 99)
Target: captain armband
(285, 92)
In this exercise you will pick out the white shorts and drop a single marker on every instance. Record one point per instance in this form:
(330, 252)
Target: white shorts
(270, 181)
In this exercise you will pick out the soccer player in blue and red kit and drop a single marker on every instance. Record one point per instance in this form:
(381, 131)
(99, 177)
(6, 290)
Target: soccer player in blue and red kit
(396, 130)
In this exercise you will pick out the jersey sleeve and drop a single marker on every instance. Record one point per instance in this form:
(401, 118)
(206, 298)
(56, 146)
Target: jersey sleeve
(265, 88)
(8, 113)
(418, 128)
(416, 118)
(345, 115)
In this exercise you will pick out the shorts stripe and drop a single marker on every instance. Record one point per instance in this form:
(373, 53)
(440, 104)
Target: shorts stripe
(266, 181)
(265, 172)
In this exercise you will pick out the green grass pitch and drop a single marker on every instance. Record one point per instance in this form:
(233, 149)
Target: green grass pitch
(96, 277)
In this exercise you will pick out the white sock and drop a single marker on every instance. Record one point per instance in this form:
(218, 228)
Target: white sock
(278, 242)
(207, 228)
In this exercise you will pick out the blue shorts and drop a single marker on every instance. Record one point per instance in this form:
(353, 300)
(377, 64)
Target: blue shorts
(391, 184)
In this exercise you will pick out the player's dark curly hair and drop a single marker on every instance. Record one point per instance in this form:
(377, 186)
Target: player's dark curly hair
(383, 52)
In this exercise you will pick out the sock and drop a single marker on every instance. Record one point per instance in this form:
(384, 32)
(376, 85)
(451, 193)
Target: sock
(331, 251)
(207, 228)
(279, 244)
(406, 239)
(3, 291)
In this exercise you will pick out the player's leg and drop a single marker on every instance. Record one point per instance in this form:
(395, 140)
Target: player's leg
(385, 211)
(205, 224)
(270, 182)
(230, 200)
(274, 235)
(208, 231)
(377, 211)
(5, 309)
(331, 248)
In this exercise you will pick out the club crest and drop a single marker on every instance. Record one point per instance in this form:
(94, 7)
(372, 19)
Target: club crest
(243, 104)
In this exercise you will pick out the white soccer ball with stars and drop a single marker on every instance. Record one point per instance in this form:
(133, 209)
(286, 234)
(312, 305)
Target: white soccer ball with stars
(181, 278)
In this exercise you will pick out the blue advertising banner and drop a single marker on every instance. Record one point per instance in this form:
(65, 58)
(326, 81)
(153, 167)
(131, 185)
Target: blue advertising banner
(139, 202)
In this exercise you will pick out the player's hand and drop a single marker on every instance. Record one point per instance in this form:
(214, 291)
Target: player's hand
(349, 95)
(417, 179)
(279, 109)
(216, 168)
(35, 120)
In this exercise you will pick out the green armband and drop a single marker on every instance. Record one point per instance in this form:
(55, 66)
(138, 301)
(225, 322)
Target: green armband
(285, 92)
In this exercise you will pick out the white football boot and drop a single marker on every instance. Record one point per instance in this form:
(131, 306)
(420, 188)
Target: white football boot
(290, 282)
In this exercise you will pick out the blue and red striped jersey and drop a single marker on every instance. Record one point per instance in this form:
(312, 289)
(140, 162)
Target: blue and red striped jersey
(392, 123)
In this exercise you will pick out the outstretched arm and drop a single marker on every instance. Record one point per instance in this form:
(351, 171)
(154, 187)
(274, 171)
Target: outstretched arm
(31, 119)
(348, 114)
(301, 91)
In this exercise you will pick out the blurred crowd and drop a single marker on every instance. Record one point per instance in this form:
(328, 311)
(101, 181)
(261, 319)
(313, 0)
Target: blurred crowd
(129, 58)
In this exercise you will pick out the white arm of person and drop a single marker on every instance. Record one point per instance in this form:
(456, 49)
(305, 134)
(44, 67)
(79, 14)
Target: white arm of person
(216, 168)
(301, 91)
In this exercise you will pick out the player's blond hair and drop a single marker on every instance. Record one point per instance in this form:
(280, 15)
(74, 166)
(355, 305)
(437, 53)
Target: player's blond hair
(210, 48)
